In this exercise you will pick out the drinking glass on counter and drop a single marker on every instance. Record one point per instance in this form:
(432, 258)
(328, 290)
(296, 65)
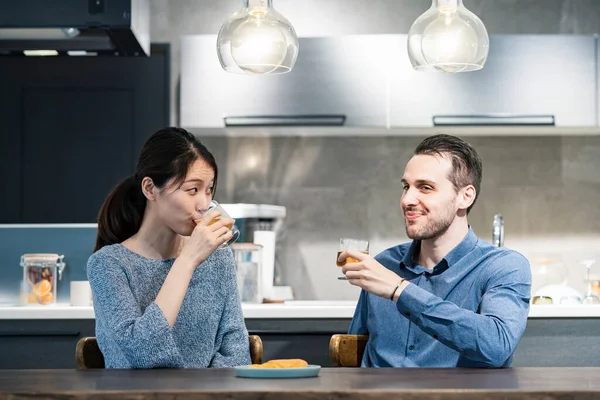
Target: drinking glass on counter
(595, 286)
(351, 244)
(590, 297)
(214, 205)
(570, 300)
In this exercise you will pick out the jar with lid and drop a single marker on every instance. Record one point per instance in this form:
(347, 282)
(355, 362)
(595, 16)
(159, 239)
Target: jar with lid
(40, 273)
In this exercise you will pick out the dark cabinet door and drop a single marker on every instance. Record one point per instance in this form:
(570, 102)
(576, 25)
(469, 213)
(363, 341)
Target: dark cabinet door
(42, 344)
(71, 158)
(10, 149)
(73, 128)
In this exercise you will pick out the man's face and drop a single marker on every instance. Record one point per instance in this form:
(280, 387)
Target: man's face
(429, 200)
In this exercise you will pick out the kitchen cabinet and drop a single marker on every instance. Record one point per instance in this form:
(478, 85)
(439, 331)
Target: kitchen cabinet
(559, 342)
(547, 342)
(367, 81)
(297, 338)
(10, 151)
(336, 81)
(41, 344)
(71, 156)
(528, 79)
(73, 127)
(50, 343)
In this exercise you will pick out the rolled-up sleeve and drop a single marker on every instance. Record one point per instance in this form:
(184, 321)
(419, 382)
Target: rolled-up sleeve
(488, 336)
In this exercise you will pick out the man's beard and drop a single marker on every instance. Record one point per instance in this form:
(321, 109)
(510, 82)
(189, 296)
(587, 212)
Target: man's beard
(433, 229)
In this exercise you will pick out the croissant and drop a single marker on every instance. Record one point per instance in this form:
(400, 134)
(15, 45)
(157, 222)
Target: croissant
(284, 363)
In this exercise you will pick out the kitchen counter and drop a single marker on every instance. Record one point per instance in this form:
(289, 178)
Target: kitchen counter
(289, 310)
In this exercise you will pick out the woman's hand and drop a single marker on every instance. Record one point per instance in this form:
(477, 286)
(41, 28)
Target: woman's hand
(207, 237)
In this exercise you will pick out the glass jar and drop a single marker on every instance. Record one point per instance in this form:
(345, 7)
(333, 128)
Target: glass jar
(248, 271)
(40, 272)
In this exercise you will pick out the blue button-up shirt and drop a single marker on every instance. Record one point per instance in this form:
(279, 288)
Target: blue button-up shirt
(470, 310)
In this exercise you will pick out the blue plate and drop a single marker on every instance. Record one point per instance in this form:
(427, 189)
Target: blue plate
(277, 373)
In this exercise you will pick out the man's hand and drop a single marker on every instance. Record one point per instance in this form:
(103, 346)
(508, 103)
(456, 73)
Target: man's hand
(370, 275)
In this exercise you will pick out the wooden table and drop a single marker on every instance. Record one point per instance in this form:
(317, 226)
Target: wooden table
(335, 383)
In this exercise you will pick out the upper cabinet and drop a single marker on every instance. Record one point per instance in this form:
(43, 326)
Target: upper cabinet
(72, 130)
(337, 81)
(367, 81)
(527, 80)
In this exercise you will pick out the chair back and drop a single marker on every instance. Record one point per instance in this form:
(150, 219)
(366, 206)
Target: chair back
(347, 350)
(88, 354)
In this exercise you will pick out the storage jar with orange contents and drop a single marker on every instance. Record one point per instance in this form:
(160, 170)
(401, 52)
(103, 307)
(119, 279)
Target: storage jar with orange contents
(40, 273)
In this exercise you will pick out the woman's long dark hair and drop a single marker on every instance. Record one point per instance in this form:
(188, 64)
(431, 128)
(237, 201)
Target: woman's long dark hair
(168, 154)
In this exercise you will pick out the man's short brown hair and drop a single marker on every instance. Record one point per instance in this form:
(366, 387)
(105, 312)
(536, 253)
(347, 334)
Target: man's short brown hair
(467, 168)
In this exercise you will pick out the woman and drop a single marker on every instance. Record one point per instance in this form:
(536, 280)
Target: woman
(165, 295)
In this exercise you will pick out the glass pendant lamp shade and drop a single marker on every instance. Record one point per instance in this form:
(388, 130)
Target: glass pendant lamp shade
(448, 38)
(257, 40)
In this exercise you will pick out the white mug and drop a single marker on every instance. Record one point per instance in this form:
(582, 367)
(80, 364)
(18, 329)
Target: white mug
(81, 294)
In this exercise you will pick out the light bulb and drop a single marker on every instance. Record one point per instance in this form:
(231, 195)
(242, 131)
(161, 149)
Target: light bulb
(257, 46)
(448, 38)
(257, 40)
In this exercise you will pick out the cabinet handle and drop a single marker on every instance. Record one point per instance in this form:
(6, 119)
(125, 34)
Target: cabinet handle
(493, 120)
(285, 120)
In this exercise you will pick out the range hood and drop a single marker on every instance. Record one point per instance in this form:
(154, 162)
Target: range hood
(75, 27)
(364, 85)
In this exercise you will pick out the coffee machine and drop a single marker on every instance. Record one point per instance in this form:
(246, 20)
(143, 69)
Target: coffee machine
(255, 217)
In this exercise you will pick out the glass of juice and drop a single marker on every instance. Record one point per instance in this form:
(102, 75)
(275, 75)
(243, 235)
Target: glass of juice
(351, 244)
(215, 206)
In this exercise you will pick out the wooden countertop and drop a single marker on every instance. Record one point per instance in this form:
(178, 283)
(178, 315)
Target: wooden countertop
(332, 383)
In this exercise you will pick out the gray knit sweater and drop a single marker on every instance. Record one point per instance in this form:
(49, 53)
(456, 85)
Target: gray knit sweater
(132, 331)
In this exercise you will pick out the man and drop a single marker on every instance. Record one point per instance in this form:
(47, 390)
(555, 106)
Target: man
(456, 301)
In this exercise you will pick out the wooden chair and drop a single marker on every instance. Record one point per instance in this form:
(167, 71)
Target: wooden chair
(347, 350)
(256, 349)
(88, 354)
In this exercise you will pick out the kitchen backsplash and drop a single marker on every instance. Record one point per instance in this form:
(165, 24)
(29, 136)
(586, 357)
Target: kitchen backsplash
(75, 242)
(547, 188)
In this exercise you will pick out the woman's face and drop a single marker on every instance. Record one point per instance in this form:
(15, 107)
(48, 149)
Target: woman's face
(178, 206)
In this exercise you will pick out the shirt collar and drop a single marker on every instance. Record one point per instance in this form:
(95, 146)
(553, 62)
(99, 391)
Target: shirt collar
(462, 249)
(457, 253)
(409, 257)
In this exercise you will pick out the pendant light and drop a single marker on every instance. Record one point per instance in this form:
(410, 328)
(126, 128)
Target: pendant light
(448, 38)
(257, 40)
